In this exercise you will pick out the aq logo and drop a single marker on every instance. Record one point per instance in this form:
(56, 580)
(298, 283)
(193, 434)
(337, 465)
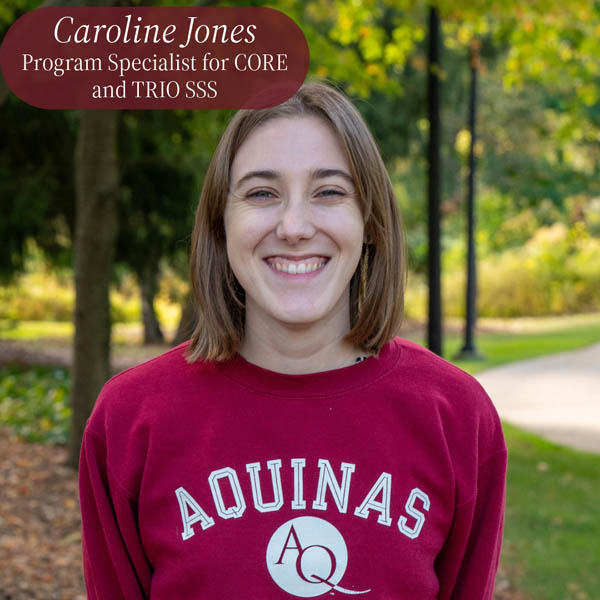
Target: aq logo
(307, 557)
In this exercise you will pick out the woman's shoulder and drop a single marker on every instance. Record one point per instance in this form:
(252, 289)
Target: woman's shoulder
(169, 365)
(441, 382)
(422, 362)
(139, 392)
(447, 394)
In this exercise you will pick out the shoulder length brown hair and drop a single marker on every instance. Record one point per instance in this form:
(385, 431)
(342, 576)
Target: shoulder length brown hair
(218, 296)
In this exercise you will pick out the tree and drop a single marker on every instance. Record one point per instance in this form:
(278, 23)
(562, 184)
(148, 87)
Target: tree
(97, 188)
(156, 203)
(36, 184)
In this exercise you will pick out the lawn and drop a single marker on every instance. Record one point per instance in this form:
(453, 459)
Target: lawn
(122, 334)
(502, 341)
(552, 531)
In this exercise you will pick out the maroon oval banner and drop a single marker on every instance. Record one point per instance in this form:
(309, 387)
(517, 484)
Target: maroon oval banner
(154, 57)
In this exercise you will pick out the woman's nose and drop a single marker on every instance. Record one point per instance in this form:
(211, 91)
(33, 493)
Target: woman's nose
(296, 221)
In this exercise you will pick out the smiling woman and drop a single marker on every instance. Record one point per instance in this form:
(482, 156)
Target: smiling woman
(384, 464)
(302, 180)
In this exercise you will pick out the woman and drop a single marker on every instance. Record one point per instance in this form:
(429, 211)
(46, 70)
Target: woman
(294, 447)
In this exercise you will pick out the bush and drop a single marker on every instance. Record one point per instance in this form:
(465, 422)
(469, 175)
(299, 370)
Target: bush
(125, 310)
(36, 298)
(556, 272)
(40, 296)
(36, 403)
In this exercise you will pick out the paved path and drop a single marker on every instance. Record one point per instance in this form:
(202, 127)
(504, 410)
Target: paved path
(557, 396)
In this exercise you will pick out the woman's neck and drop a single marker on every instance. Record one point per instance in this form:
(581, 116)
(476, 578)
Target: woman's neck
(299, 358)
(297, 349)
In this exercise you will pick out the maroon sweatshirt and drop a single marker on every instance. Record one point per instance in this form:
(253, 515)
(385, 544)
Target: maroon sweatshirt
(208, 481)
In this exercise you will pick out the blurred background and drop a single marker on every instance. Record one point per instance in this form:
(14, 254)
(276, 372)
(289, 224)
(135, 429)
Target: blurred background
(120, 187)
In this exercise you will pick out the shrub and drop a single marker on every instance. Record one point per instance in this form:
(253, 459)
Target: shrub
(36, 298)
(556, 272)
(36, 403)
(40, 296)
(125, 310)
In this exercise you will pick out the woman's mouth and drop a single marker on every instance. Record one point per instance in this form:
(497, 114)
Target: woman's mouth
(297, 267)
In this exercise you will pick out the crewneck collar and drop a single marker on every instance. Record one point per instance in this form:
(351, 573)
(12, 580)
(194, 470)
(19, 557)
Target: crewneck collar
(312, 385)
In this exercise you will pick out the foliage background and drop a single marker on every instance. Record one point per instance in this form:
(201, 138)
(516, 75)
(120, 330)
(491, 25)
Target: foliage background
(538, 190)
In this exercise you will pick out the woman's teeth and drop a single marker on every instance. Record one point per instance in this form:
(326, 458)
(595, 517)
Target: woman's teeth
(297, 268)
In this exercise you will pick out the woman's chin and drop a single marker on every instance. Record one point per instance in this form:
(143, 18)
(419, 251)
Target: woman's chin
(298, 317)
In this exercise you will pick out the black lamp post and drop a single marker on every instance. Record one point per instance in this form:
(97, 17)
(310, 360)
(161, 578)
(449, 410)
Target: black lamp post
(469, 351)
(434, 323)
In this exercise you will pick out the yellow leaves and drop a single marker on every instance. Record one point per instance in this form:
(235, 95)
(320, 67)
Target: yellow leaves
(345, 30)
(393, 55)
(345, 23)
(402, 44)
(419, 34)
(463, 142)
(322, 71)
(364, 31)
(372, 46)
(377, 72)
(465, 34)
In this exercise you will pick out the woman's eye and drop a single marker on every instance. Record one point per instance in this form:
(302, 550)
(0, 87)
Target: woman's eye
(260, 194)
(331, 193)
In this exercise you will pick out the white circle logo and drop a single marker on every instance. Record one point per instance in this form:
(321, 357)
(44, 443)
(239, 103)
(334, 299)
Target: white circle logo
(307, 557)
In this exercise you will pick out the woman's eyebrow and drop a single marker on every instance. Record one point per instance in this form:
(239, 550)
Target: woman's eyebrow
(324, 173)
(314, 174)
(263, 174)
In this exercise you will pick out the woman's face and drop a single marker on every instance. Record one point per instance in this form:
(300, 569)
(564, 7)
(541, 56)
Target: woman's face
(293, 223)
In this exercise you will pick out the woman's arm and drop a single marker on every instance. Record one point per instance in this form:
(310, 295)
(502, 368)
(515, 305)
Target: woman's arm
(468, 563)
(114, 562)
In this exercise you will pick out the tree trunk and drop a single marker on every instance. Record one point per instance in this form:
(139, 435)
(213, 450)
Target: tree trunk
(147, 280)
(187, 323)
(96, 186)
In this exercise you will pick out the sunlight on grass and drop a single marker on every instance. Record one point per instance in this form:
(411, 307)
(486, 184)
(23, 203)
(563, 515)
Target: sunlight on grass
(30, 330)
(540, 324)
(501, 341)
(501, 348)
(122, 334)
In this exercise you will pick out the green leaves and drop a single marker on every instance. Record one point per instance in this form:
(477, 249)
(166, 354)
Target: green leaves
(35, 403)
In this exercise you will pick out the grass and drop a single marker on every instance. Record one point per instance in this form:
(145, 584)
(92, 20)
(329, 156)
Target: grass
(552, 530)
(33, 330)
(123, 334)
(502, 342)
